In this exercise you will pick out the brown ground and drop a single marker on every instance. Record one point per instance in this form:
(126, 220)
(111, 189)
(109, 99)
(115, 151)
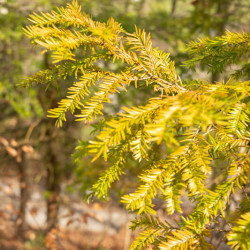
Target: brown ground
(67, 240)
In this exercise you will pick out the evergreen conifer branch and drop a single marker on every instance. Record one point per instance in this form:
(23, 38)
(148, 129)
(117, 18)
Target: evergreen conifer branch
(239, 118)
(243, 72)
(219, 52)
(239, 237)
(180, 239)
(75, 93)
(110, 85)
(63, 70)
(195, 122)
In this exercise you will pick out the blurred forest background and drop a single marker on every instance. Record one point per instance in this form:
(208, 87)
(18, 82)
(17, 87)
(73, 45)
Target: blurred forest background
(42, 186)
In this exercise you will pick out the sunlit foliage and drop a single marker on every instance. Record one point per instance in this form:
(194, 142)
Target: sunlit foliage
(199, 121)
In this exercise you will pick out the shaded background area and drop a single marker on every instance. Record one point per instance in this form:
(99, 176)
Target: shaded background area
(41, 186)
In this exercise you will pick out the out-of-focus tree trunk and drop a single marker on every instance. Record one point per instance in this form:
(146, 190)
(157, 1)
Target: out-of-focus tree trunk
(53, 167)
(53, 183)
(141, 8)
(126, 5)
(222, 11)
(173, 8)
(24, 195)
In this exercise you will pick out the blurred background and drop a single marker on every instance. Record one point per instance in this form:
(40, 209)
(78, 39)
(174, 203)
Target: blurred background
(41, 185)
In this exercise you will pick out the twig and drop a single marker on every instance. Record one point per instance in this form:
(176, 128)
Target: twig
(30, 130)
